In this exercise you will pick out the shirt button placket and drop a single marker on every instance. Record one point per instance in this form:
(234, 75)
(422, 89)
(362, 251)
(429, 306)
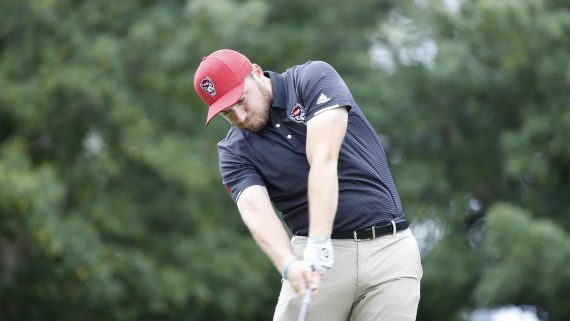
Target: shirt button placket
(289, 136)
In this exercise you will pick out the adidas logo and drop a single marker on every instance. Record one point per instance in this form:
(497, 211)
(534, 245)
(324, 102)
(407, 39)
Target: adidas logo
(322, 99)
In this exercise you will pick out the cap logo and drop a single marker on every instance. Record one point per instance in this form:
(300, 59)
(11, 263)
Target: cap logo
(208, 86)
(298, 113)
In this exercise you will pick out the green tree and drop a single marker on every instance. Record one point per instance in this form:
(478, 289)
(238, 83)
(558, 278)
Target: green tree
(110, 206)
(477, 124)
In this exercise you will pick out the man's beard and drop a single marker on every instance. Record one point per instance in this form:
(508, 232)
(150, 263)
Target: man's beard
(264, 115)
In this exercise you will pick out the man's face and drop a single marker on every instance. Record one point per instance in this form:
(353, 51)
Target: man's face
(251, 112)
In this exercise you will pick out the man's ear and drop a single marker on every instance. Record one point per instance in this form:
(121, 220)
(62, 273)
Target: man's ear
(256, 70)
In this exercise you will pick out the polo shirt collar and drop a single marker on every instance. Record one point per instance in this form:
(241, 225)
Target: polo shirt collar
(279, 99)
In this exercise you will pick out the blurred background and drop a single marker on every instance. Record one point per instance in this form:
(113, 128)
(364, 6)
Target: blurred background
(111, 203)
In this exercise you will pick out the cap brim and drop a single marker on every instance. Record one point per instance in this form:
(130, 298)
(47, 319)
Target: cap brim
(224, 102)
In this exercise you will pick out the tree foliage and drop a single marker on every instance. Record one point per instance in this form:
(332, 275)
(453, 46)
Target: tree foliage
(111, 205)
(479, 124)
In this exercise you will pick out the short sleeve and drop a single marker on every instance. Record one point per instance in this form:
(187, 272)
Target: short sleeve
(237, 171)
(322, 89)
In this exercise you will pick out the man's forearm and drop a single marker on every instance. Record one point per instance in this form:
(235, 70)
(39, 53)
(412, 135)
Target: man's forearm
(266, 228)
(325, 134)
(323, 197)
(271, 237)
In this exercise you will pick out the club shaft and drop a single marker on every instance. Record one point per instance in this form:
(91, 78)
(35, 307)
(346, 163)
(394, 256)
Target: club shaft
(305, 305)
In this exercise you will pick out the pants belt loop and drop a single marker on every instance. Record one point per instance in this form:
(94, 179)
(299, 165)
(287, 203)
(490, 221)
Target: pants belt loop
(373, 232)
(393, 227)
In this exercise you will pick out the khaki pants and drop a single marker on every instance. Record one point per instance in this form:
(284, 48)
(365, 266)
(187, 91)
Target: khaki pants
(371, 280)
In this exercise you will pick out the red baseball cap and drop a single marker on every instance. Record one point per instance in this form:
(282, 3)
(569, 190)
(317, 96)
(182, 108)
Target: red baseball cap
(220, 78)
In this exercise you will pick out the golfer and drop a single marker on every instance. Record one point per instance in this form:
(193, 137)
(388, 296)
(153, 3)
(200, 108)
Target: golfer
(299, 143)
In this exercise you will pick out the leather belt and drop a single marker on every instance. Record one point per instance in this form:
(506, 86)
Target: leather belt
(390, 227)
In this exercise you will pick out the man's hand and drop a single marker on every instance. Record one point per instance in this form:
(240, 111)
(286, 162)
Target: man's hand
(319, 253)
(302, 276)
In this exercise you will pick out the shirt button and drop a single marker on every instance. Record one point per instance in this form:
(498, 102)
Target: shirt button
(288, 136)
(278, 125)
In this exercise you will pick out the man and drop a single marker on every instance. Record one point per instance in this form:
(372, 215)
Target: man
(299, 142)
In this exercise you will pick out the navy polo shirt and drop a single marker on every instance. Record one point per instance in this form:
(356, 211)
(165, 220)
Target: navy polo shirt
(275, 156)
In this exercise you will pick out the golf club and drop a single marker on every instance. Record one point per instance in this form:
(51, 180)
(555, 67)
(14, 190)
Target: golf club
(305, 305)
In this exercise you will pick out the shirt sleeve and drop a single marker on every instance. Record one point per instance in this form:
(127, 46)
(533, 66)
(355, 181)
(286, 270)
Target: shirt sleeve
(322, 89)
(237, 171)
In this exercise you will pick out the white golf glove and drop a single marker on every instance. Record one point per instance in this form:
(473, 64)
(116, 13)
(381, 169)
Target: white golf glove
(319, 253)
